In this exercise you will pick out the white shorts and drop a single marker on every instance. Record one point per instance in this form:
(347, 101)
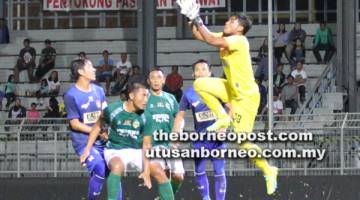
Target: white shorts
(131, 158)
(174, 165)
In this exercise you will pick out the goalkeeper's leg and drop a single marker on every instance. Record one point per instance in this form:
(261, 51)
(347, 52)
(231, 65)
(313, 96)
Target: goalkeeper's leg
(211, 90)
(244, 117)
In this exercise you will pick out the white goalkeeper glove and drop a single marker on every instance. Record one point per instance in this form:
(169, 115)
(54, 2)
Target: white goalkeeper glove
(189, 8)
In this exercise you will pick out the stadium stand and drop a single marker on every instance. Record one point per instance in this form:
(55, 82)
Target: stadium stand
(37, 153)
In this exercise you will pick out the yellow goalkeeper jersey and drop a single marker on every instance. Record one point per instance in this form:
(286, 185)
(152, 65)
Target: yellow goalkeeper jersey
(236, 61)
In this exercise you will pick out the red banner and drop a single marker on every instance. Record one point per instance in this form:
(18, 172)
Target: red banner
(72, 5)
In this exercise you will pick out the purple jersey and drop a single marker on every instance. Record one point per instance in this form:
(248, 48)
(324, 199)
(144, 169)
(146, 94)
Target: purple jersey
(203, 117)
(87, 107)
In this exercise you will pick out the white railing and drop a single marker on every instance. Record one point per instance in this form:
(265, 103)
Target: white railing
(324, 84)
(44, 148)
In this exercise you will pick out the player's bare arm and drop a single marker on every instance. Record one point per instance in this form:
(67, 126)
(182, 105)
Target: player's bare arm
(94, 133)
(178, 121)
(211, 39)
(76, 125)
(146, 173)
(196, 34)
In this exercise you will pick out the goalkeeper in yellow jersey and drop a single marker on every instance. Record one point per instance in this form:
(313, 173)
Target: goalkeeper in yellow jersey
(239, 88)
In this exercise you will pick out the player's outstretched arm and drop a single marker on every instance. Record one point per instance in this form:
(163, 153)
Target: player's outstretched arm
(196, 34)
(91, 140)
(209, 37)
(145, 175)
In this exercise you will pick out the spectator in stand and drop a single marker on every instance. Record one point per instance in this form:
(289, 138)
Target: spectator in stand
(33, 115)
(2, 95)
(43, 90)
(300, 79)
(15, 112)
(279, 78)
(53, 83)
(296, 33)
(277, 106)
(174, 82)
(135, 76)
(81, 55)
(323, 41)
(123, 65)
(104, 70)
(26, 61)
(297, 53)
(290, 95)
(120, 82)
(47, 60)
(280, 42)
(262, 62)
(53, 110)
(10, 90)
(263, 96)
(4, 32)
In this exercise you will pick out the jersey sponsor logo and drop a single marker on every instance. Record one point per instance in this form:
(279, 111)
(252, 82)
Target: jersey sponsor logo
(91, 117)
(136, 124)
(128, 133)
(205, 116)
(195, 104)
(126, 123)
(87, 104)
(161, 118)
(160, 105)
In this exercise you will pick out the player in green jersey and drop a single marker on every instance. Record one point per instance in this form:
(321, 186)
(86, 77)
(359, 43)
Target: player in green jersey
(163, 108)
(130, 137)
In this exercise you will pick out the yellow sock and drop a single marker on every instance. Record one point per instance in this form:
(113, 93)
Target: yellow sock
(260, 163)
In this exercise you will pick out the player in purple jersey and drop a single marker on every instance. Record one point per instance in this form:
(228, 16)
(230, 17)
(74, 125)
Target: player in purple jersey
(203, 118)
(84, 103)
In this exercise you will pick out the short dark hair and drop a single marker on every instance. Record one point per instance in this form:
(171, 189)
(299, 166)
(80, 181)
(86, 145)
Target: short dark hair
(133, 87)
(82, 52)
(47, 41)
(33, 104)
(76, 65)
(200, 61)
(156, 69)
(27, 40)
(10, 77)
(289, 77)
(244, 20)
(105, 51)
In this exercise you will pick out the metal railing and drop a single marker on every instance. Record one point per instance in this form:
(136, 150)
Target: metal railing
(324, 84)
(44, 148)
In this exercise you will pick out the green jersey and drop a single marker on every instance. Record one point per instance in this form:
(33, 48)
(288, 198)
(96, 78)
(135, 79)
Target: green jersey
(163, 110)
(126, 130)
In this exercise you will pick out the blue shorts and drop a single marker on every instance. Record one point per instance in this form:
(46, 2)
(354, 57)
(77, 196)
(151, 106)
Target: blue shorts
(96, 157)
